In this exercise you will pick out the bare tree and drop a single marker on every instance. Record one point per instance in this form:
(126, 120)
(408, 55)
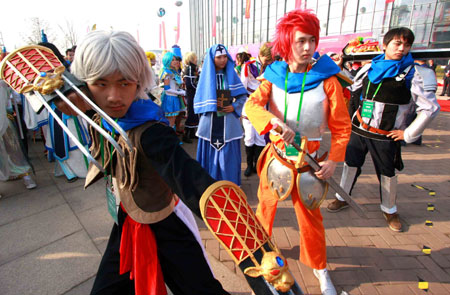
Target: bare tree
(69, 34)
(33, 36)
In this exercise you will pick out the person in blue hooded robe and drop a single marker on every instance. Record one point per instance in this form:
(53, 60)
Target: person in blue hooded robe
(219, 132)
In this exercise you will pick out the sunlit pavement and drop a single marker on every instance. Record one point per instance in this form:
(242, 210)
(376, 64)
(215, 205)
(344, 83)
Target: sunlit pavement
(52, 237)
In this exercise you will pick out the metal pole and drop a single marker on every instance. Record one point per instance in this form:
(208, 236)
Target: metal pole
(432, 24)
(328, 17)
(242, 21)
(356, 17)
(254, 17)
(411, 16)
(268, 15)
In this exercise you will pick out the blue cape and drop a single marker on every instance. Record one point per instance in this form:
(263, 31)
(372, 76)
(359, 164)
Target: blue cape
(382, 68)
(140, 112)
(205, 99)
(324, 68)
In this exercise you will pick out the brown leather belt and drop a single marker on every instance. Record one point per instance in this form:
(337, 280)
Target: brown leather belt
(370, 128)
(289, 163)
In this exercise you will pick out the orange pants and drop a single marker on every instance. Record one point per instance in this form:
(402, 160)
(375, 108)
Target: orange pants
(312, 233)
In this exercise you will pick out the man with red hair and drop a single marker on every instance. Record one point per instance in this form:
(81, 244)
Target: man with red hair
(303, 96)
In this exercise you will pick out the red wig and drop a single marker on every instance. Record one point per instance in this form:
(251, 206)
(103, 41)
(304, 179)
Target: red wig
(296, 20)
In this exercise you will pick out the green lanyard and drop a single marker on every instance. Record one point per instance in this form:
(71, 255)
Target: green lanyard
(222, 87)
(102, 152)
(376, 91)
(301, 96)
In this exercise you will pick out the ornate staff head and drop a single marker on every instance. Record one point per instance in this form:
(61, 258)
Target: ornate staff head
(37, 69)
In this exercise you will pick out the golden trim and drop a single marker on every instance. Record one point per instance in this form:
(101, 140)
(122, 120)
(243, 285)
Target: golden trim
(28, 63)
(205, 199)
(2, 65)
(46, 59)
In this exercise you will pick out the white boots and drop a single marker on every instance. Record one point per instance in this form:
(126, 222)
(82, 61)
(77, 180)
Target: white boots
(326, 285)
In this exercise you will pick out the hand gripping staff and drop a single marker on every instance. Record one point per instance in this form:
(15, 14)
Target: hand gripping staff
(331, 182)
(35, 68)
(229, 217)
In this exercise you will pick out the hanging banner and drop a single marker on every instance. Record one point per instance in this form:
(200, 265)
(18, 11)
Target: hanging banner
(178, 29)
(214, 19)
(164, 35)
(247, 9)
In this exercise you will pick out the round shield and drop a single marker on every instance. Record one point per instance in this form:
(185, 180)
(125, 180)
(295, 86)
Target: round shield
(280, 179)
(312, 190)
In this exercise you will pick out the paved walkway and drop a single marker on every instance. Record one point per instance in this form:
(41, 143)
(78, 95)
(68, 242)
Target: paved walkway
(52, 237)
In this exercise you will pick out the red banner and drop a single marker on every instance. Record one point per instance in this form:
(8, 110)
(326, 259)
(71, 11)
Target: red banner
(214, 19)
(247, 9)
(164, 34)
(178, 29)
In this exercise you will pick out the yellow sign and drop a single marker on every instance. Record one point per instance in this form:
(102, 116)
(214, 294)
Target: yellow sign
(423, 285)
(426, 250)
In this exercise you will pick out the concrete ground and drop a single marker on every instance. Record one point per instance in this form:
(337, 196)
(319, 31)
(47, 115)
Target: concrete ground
(52, 237)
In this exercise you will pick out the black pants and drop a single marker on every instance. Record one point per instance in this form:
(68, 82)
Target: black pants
(385, 156)
(184, 267)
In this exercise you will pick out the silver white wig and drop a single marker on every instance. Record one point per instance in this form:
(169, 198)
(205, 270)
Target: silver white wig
(102, 53)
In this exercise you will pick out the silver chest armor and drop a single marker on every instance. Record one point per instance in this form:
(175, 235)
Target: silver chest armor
(312, 121)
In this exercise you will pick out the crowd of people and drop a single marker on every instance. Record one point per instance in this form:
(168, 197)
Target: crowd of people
(282, 96)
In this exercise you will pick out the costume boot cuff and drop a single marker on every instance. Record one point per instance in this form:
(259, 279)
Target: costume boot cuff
(388, 194)
(347, 179)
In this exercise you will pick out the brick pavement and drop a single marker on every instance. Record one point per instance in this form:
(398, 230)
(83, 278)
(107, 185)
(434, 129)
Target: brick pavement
(52, 238)
(364, 256)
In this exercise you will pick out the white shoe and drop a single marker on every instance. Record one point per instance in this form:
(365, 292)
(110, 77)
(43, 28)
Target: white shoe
(326, 285)
(29, 182)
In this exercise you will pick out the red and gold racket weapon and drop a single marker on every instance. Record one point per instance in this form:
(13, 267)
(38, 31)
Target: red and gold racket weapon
(36, 71)
(230, 218)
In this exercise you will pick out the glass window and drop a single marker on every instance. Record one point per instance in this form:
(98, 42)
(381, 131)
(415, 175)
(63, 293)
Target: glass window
(290, 5)
(364, 22)
(366, 6)
(257, 24)
(442, 13)
(423, 13)
(348, 25)
(249, 26)
(334, 26)
(381, 19)
(421, 33)
(350, 7)
(401, 15)
(322, 15)
(311, 4)
(398, 4)
(336, 9)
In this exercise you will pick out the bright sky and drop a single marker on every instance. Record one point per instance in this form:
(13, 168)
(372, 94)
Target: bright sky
(134, 16)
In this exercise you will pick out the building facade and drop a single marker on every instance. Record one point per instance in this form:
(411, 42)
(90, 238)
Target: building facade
(225, 21)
